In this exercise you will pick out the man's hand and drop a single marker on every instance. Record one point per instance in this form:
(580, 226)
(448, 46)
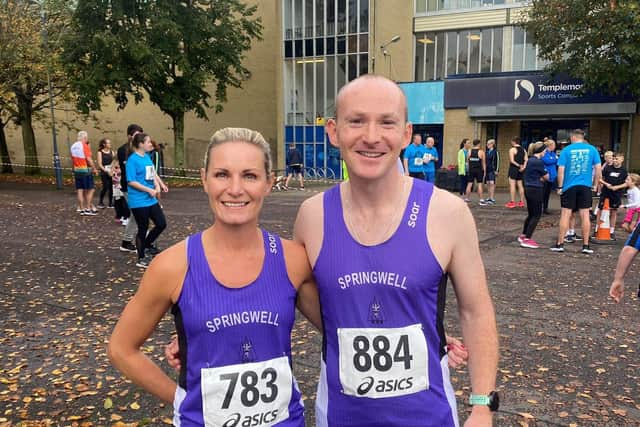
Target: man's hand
(456, 352)
(172, 353)
(616, 291)
(480, 416)
(164, 187)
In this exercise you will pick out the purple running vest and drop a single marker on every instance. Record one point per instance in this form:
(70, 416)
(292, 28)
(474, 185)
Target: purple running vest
(384, 351)
(225, 337)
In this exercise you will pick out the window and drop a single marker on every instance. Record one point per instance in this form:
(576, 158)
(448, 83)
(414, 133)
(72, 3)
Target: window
(475, 37)
(525, 52)
(441, 44)
(326, 44)
(452, 53)
(442, 54)
(486, 47)
(353, 16)
(517, 52)
(319, 18)
(420, 60)
(364, 16)
(426, 6)
(463, 52)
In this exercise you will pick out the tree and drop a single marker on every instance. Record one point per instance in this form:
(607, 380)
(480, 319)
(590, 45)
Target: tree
(170, 50)
(26, 64)
(597, 41)
(5, 158)
(6, 98)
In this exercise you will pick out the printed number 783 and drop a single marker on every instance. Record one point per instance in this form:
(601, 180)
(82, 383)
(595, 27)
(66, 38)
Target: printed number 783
(250, 395)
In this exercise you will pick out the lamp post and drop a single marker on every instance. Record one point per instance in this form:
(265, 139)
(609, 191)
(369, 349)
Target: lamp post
(383, 47)
(56, 155)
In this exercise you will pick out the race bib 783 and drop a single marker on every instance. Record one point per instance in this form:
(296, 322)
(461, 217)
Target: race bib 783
(256, 394)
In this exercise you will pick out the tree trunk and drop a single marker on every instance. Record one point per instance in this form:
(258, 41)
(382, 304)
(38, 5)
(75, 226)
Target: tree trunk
(178, 140)
(5, 159)
(25, 105)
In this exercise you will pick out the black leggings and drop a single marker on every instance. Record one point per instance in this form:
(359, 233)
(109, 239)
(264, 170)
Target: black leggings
(534, 209)
(463, 184)
(121, 207)
(107, 187)
(142, 216)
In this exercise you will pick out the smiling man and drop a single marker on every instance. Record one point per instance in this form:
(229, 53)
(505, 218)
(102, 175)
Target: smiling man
(384, 355)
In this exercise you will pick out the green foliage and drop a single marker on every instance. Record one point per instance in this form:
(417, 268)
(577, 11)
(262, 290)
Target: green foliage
(597, 41)
(26, 63)
(170, 50)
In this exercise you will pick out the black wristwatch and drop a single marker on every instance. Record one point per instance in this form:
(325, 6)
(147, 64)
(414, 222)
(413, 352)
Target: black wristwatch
(492, 400)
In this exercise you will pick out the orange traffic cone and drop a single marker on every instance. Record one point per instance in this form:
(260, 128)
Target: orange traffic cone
(603, 227)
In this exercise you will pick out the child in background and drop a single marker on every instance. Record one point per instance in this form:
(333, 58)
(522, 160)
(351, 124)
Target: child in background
(633, 202)
(120, 203)
(613, 183)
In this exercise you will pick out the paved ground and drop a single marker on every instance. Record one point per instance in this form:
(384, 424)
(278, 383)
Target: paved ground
(569, 356)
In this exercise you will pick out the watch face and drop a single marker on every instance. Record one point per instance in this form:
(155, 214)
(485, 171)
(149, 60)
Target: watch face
(494, 401)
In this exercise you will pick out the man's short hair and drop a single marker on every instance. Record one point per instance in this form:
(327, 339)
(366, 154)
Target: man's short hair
(516, 139)
(476, 142)
(577, 132)
(82, 135)
(373, 77)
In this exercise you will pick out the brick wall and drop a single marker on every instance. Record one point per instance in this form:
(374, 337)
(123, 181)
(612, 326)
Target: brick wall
(457, 126)
(506, 131)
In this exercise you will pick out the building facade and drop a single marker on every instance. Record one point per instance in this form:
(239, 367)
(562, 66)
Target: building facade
(468, 70)
(495, 87)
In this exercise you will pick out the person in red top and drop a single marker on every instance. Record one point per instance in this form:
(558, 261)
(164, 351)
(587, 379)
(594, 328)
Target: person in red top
(83, 170)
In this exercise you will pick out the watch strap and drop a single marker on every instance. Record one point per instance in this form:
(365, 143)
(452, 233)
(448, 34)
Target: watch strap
(479, 399)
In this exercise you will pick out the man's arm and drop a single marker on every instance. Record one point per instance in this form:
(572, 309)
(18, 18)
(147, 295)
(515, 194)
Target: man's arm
(626, 257)
(308, 228)
(87, 154)
(512, 157)
(560, 178)
(524, 162)
(475, 308)
(598, 175)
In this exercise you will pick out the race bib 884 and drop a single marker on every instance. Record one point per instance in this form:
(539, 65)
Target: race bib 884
(383, 362)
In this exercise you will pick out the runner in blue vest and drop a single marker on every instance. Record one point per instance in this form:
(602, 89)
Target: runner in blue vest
(232, 290)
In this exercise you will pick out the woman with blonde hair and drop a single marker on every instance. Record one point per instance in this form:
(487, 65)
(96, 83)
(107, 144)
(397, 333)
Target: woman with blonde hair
(233, 289)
